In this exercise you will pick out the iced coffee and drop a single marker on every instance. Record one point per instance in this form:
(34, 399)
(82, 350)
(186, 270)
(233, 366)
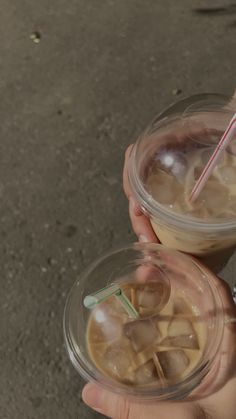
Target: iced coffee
(159, 348)
(170, 180)
(165, 165)
(163, 348)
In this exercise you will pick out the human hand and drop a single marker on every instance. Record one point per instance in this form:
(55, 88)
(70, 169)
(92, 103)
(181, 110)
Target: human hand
(140, 222)
(214, 399)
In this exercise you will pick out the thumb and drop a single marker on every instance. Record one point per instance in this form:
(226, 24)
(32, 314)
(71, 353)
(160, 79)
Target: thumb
(107, 403)
(115, 406)
(118, 407)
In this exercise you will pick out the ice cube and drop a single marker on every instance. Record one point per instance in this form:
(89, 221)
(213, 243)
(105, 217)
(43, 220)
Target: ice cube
(113, 307)
(187, 342)
(172, 161)
(106, 327)
(146, 373)
(149, 297)
(181, 307)
(227, 174)
(163, 187)
(213, 197)
(141, 333)
(206, 155)
(117, 360)
(181, 334)
(197, 172)
(173, 363)
(179, 167)
(180, 326)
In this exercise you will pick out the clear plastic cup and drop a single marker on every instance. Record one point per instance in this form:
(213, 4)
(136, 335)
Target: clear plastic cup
(166, 162)
(145, 369)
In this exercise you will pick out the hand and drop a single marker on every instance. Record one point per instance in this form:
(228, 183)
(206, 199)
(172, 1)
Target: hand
(214, 399)
(140, 223)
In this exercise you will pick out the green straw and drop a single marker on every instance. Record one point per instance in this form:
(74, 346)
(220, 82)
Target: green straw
(90, 301)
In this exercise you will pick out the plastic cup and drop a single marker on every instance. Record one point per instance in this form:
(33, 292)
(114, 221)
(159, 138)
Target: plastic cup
(105, 345)
(173, 142)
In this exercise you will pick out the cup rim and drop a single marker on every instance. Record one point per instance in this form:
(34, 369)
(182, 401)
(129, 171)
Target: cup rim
(176, 391)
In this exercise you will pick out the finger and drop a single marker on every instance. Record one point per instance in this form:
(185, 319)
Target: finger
(223, 368)
(118, 407)
(126, 184)
(141, 225)
(223, 289)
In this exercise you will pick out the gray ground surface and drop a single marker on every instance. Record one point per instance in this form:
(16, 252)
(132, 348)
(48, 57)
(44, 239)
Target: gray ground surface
(69, 107)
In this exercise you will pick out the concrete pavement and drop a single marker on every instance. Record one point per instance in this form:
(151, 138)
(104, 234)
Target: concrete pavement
(78, 81)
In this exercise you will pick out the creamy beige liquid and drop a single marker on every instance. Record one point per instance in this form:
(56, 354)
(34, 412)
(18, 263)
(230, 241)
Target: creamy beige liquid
(216, 201)
(158, 350)
(215, 204)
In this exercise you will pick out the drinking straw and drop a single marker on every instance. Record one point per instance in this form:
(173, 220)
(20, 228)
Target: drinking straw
(221, 146)
(90, 301)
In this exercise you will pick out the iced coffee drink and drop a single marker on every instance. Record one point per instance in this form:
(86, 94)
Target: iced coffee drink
(166, 345)
(158, 349)
(172, 188)
(165, 164)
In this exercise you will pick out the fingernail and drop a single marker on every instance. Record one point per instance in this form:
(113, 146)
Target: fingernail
(142, 238)
(92, 396)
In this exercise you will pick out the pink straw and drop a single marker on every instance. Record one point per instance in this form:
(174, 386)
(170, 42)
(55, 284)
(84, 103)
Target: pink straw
(223, 143)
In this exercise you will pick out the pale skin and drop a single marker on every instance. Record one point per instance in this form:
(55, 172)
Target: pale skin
(219, 400)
